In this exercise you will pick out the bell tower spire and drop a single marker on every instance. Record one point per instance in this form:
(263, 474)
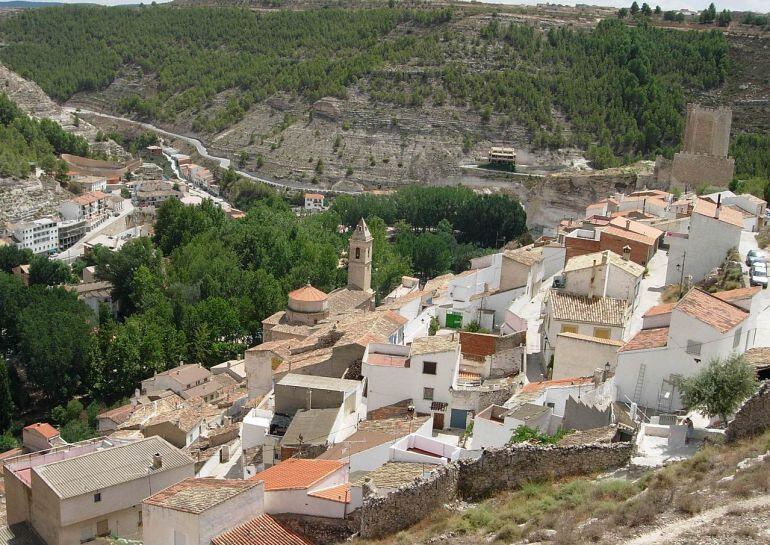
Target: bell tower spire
(360, 258)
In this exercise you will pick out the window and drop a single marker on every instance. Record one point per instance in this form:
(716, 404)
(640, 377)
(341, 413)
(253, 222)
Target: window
(97, 497)
(427, 394)
(693, 348)
(358, 253)
(737, 338)
(567, 328)
(429, 368)
(602, 332)
(139, 523)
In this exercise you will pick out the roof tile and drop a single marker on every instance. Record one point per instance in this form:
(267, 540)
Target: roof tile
(263, 530)
(297, 473)
(711, 310)
(646, 339)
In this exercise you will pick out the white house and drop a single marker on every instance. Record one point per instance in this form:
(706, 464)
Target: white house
(307, 487)
(697, 329)
(604, 274)
(195, 511)
(580, 355)
(90, 489)
(314, 202)
(91, 183)
(602, 317)
(493, 427)
(752, 208)
(714, 230)
(425, 372)
(40, 235)
(91, 207)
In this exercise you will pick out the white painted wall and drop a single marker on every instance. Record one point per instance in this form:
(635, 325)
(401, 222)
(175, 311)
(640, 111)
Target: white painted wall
(300, 502)
(579, 358)
(490, 434)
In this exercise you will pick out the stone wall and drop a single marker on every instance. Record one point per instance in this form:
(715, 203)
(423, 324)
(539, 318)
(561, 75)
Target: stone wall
(691, 170)
(707, 130)
(510, 467)
(496, 469)
(753, 418)
(321, 529)
(410, 504)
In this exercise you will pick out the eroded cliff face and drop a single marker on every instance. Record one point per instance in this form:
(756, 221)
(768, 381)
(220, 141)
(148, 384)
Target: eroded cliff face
(32, 99)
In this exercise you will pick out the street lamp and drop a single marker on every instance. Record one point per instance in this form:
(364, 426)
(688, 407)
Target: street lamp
(680, 267)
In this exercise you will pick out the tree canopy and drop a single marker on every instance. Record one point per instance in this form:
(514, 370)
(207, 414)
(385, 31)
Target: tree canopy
(721, 387)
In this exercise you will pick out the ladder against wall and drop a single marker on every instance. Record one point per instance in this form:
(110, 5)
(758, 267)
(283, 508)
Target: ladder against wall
(639, 383)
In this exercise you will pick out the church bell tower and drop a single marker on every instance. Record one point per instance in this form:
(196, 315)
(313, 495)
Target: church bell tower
(360, 259)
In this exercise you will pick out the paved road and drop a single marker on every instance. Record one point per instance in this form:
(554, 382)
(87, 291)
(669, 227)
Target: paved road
(223, 162)
(650, 291)
(749, 242)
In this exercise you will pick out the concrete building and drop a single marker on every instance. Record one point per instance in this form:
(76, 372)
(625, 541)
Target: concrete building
(714, 231)
(40, 436)
(307, 487)
(604, 274)
(314, 202)
(91, 207)
(294, 392)
(195, 511)
(602, 317)
(88, 184)
(502, 156)
(695, 330)
(425, 372)
(580, 355)
(70, 231)
(73, 494)
(179, 380)
(493, 427)
(40, 235)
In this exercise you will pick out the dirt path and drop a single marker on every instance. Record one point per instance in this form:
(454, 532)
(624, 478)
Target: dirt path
(674, 529)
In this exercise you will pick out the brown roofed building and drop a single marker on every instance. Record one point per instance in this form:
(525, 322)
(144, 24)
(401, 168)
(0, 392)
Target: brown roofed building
(262, 530)
(195, 511)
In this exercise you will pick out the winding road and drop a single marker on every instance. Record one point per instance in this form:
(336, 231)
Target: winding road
(223, 162)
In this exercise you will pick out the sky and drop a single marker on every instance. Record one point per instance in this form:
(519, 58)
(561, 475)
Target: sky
(760, 6)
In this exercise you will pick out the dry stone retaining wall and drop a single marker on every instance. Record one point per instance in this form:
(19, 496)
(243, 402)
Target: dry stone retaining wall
(753, 417)
(497, 469)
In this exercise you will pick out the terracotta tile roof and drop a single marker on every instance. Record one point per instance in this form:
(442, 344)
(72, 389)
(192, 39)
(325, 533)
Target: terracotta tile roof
(43, 428)
(387, 360)
(88, 198)
(580, 308)
(358, 442)
(263, 530)
(397, 426)
(119, 414)
(589, 338)
(434, 344)
(629, 235)
(534, 387)
(187, 373)
(737, 294)
(587, 260)
(195, 495)
(477, 344)
(343, 300)
(526, 256)
(314, 196)
(296, 473)
(709, 209)
(637, 227)
(646, 339)
(711, 310)
(339, 493)
(308, 293)
(664, 308)
(759, 357)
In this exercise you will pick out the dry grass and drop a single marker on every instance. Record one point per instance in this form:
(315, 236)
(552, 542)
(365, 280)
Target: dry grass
(588, 511)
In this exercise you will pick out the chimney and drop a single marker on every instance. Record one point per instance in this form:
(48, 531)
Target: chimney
(157, 460)
(593, 280)
(628, 225)
(626, 252)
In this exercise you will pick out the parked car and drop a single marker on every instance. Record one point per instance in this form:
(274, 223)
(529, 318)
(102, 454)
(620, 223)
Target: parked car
(758, 277)
(754, 256)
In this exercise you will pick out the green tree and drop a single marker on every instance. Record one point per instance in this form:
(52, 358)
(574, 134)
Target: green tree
(6, 400)
(243, 158)
(622, 13)
(11, 256)
(8, 442)
(720, 388)
(724, 18)
(634, 8)
(646, 10)
(709, 14)
(432, 255)
(48, 272)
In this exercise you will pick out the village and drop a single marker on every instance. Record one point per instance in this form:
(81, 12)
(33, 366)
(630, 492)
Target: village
(357, 418)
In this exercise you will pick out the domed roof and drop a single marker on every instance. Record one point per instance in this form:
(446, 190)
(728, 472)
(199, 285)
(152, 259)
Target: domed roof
(308, 293)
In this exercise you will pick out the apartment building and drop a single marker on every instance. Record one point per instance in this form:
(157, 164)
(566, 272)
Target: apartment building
(91, 207)
(40, 235)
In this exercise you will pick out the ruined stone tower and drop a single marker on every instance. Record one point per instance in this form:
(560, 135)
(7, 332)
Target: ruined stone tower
(707, 131)
(360, 258)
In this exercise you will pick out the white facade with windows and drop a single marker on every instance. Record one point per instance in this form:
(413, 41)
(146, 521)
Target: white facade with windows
(40, 235)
